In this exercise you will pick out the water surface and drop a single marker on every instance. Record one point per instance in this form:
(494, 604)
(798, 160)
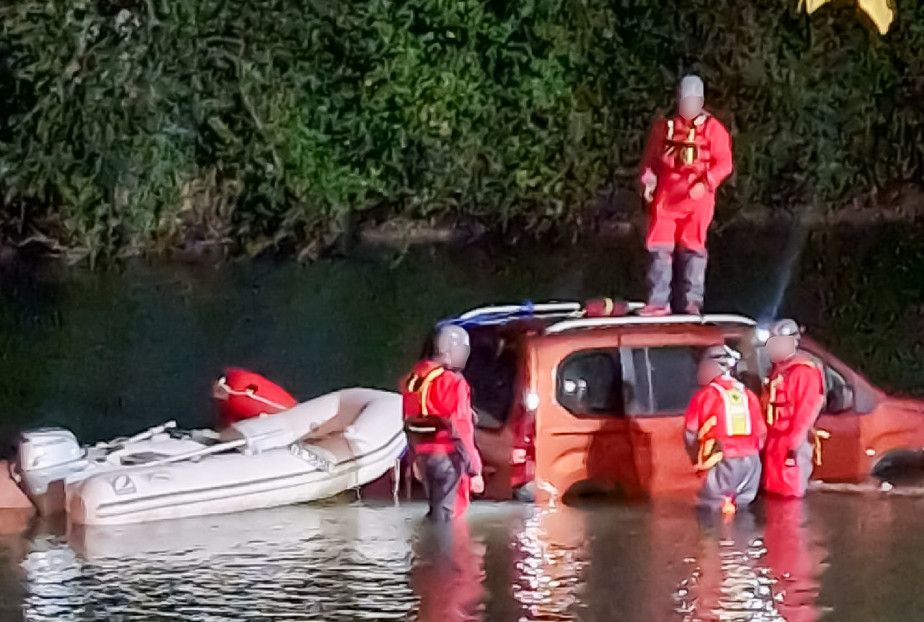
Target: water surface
(111, 352)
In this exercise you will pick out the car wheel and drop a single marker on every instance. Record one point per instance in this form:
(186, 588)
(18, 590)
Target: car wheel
(903, 466)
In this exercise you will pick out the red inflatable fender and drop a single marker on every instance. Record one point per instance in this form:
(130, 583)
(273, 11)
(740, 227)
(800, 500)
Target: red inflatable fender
(243, 394)
(605, 307)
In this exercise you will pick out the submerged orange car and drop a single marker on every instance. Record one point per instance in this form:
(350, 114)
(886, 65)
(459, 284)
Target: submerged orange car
(571, 404)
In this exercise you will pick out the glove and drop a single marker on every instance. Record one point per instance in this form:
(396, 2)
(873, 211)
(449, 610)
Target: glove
(650, 183)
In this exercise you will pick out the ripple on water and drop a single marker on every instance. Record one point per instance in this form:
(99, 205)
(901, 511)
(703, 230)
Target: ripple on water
(358, 570)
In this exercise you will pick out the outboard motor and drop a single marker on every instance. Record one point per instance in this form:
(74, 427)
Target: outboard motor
(46, 457)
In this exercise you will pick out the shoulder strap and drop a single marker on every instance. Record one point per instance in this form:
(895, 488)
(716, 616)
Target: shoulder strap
(423, 387)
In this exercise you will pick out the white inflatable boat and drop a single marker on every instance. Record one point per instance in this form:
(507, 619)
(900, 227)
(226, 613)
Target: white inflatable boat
(315, 450)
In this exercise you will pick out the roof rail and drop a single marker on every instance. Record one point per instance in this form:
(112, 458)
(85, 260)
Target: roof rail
(500, 313)
(523, 309)
(634, 320)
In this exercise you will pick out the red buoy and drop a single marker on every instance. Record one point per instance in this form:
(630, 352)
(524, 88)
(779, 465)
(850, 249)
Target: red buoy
(243, 394)
(605, 307)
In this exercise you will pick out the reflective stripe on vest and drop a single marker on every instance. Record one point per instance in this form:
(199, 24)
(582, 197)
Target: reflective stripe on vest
(688, 150)
(421, 386)
(773, 388)
(708, 455)
(737, 411)
(817, 437)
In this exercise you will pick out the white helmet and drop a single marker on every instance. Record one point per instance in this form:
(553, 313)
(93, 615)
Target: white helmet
(452, 346)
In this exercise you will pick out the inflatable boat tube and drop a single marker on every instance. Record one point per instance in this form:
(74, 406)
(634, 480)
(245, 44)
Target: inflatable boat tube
(349, 438)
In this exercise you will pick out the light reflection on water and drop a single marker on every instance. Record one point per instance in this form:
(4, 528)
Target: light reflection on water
(789, 562)
(834, 557)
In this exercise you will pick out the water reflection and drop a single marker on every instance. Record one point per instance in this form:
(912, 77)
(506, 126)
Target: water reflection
(752, 568)
(550, 556)
(448, 573)
(289, 564)
(856, 557)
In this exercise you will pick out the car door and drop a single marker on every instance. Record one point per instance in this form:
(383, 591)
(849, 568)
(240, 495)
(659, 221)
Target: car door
(663, 379)
(843, 457)
(582, 435)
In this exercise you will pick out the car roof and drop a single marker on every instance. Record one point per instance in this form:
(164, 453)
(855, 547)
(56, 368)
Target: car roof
(562, 317)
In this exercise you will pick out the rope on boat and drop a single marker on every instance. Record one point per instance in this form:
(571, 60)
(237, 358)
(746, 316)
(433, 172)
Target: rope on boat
(223, 384)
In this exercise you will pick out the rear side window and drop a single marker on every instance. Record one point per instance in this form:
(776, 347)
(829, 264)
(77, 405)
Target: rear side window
(589, 383)
(665, 378)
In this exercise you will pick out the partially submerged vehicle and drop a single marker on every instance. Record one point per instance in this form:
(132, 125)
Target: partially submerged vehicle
(571, 404)
(315, 450)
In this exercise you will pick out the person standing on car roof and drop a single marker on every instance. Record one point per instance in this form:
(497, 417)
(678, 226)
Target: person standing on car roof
(440, 424)
(793, 399)
(686, 159)
(724, 432)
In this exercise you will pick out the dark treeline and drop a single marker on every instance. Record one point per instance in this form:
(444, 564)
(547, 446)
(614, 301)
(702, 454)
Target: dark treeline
(136, 125)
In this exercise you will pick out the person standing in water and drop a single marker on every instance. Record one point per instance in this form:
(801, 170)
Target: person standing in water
(686, 159)
(440, 424)
(724, 432)
(793, 398)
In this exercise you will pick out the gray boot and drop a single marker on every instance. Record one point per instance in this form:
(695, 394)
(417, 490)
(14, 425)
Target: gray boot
(694, 280)
(660, 275)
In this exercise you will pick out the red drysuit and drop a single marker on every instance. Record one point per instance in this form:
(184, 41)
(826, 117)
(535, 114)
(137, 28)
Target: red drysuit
(793, 399)
(709, 402)
(433, 391)
(244, 394)
(725, 432)
(681, 154)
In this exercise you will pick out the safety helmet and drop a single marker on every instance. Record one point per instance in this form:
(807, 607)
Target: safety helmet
(723, 356)
(690, 86)
(785, 328)
(452, 346)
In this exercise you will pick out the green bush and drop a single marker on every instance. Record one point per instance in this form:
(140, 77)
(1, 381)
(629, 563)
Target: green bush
(134, 124)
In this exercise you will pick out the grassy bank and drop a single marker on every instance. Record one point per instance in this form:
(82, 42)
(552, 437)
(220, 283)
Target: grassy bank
(130, 126)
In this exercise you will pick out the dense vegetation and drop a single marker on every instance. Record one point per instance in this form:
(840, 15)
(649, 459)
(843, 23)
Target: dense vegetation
(128, 125)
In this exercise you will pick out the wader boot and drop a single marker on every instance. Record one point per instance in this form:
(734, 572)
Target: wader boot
(737, 479)
(442, 474)
(694, 280)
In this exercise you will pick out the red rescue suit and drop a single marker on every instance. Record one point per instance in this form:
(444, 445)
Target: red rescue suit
(720, 431)
(725, 432)
(243, 394)
(440, 422)
(793, 399)
(681, 154)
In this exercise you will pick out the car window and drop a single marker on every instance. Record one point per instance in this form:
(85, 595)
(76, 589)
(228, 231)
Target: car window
(491, 371)
(589, 383)
(664, 379)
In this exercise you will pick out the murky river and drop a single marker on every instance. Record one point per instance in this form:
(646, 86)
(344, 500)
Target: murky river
(112, 352)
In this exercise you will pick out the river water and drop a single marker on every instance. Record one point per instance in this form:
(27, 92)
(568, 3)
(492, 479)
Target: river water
(108, 353)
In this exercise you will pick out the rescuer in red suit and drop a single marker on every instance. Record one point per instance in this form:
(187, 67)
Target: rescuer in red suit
(243, 394)
(724, 432)
(793, 399)
(686, 159)
(440, 424)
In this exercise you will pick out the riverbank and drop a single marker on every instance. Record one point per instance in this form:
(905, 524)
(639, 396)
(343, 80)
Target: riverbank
(619, 215)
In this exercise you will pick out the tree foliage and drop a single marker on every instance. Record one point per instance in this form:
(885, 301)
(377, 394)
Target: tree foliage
(132, 124)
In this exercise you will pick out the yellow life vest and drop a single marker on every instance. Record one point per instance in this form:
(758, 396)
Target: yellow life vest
(737, 421)
(685, 151)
